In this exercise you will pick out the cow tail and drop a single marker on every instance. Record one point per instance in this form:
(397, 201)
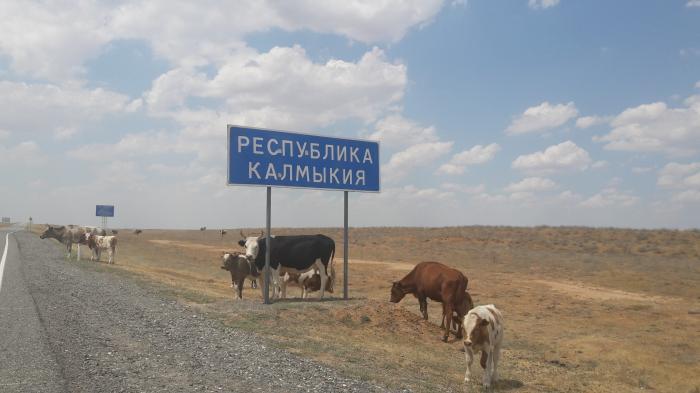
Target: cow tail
(332, 265)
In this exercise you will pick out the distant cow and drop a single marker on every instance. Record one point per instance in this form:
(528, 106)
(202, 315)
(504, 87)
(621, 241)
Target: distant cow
(240, 268)
(308, 282)
(99, 243)
(137, 232)
(72, 234)
(483, 331)
(293, 254)
(114, 231)
(203, 229)
(222, 233)
(439, 283)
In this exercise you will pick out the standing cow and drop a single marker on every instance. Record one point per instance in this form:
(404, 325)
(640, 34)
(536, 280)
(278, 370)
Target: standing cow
(72, 234)
(483, 331)
(98, 243)
(240, 268)
(437, 282)
(308, 282)
(293, 254)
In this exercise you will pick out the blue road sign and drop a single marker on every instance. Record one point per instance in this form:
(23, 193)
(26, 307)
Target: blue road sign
(284, 159)
(104, 210)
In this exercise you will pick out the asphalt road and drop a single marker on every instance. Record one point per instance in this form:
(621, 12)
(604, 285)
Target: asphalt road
(65, 327)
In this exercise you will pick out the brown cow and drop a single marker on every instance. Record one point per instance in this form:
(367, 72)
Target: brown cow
(440, 283)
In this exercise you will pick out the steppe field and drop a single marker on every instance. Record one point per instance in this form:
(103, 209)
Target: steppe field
(586, 310)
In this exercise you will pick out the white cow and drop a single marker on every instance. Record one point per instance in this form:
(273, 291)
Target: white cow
(483, 331)
(99, 243)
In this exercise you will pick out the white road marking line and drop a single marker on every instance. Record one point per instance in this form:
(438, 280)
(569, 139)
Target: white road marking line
(4, 257)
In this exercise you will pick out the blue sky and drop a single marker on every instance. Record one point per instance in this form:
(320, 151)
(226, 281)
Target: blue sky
(522, 112)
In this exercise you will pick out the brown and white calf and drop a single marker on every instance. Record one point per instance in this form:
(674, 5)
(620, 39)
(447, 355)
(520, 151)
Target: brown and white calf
(99, 243)
(240, 268)
(308, 282)
(483, 331)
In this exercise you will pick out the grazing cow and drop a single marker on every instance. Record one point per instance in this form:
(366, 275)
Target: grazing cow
(293, 254)
(72, 234)
(99, 243)
(483, 331)
(439, 283)
(308, 282)
(240, 268)
(137, 232)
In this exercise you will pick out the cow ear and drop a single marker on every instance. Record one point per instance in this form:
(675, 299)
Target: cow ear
(241, 243)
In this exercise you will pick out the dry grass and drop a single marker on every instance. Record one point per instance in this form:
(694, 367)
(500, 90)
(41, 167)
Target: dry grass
(587, 310)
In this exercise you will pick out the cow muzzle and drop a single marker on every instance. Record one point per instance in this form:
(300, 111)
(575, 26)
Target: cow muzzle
(467, 343)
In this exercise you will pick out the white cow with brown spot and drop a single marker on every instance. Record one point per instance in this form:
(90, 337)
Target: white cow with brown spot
(483, 331)
(99, 243)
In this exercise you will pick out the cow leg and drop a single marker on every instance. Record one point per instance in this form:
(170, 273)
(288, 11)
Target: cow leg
(283, 287)
(488, 370)
(469, 357)
(239, 284)
(253, 283)
(324, 277)
(78, 256)
(111, 256)
(423, 306)
(447, 320)
(275, 281)
(496, 355)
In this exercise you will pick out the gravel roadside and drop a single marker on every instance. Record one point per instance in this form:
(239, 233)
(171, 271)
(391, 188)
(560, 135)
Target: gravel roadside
(109, 334)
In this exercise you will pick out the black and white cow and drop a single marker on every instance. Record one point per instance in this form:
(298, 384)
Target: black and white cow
(293, 254)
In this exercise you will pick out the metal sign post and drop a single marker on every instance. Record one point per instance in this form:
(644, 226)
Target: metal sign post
(269, 158)
(345, 245)
(268, 245)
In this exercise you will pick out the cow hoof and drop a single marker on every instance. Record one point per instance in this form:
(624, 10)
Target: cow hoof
(444, 339)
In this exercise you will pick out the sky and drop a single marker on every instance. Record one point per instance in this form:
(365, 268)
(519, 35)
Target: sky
(489, 112)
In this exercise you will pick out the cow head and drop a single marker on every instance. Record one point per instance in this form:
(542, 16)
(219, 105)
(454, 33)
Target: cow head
(251, 244)
(397, 292)
(476, 331)
(229, 260)
(52, 232)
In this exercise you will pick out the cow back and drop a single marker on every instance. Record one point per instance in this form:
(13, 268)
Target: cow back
(296, 252)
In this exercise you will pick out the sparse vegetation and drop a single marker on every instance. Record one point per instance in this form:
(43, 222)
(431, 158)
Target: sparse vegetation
(587, 310)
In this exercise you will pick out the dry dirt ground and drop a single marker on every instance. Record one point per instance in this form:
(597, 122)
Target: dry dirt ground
(586, 310)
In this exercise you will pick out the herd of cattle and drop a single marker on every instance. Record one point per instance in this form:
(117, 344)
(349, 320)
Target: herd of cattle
(307, 261)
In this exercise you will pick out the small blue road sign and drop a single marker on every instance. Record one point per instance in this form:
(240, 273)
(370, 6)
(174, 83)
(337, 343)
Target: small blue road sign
(285, 159)
(104, 210)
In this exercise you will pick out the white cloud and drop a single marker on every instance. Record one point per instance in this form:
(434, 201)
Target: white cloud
(687, 196)
(693, 3)
(25, 153)
(697, 85)
(542, 117)
(397, 131)
(610, 197)
(58, 109)
(599, 164)
(640, 169)
(283, 88)
(531, 184)
(403, 162)
(566, 156)
(4, 134)
(476, 155)
(675, 175)
(130, 146)
(463, 188)
(58, 47)
(542, 4)
(657, 128)
(590, 121)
